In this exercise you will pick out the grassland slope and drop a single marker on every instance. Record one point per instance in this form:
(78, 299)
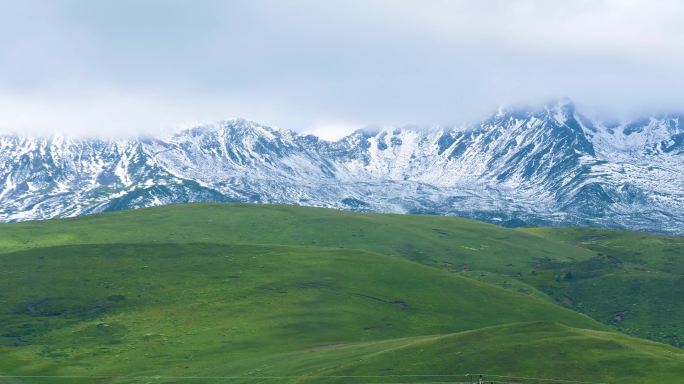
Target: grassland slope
(290, 294)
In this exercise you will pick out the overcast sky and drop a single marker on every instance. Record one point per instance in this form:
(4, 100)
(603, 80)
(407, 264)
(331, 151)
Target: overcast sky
(122, 67)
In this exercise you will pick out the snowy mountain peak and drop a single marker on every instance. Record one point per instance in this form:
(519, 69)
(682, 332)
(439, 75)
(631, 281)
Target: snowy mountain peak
(545, 165)
(233, 128)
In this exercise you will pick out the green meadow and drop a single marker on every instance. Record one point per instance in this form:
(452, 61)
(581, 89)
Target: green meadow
(242, 293)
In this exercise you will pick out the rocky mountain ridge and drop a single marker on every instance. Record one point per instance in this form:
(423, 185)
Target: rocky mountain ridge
(548, 165)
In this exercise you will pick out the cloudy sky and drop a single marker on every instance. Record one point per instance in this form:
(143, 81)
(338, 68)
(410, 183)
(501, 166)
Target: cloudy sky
(123, 67)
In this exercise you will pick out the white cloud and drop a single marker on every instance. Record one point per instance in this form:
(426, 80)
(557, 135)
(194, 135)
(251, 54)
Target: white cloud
(332, 130)
(122, 67)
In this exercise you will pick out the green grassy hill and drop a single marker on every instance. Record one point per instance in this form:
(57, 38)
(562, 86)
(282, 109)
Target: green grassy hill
(635, 282)
(248, 293)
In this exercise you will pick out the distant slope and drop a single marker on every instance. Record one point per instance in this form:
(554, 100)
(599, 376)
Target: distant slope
(288, 292)
(547, 165)
(444, 241)
(635, 282)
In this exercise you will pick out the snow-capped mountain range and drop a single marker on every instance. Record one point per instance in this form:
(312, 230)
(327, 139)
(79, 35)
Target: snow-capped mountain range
(546, 165)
